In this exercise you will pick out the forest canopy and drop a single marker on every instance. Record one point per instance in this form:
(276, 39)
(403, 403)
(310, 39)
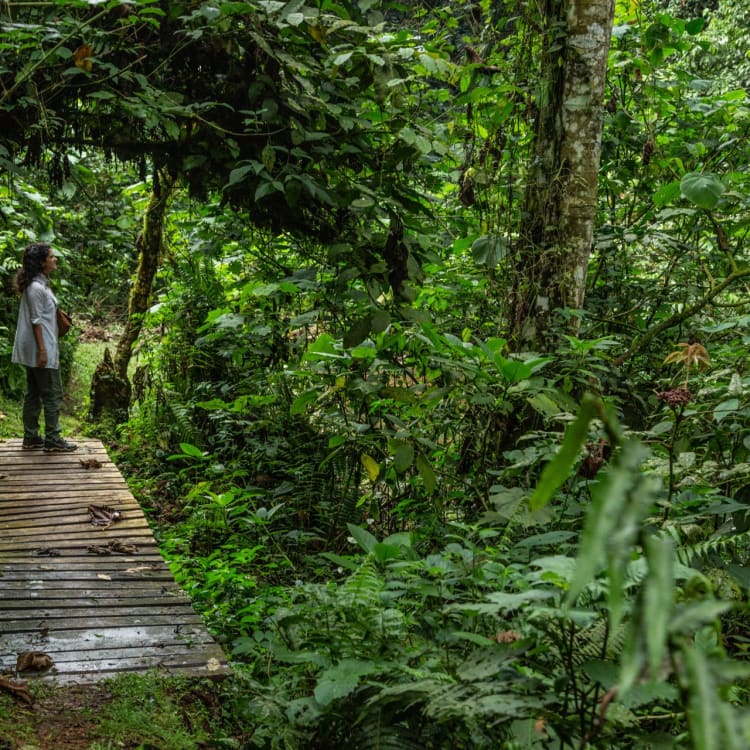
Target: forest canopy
(431, 359)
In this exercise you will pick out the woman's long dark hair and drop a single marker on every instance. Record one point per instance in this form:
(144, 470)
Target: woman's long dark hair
(34, 257)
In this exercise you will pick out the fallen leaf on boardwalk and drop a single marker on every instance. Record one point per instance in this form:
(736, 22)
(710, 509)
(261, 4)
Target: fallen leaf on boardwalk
(33, 661)
(104, 576)
(141, 568)
(90, 463)
(121, 548)
(18, 690)
(115, 546)
(97, 549)
(213, 664)
(47, 552)
(103, 515)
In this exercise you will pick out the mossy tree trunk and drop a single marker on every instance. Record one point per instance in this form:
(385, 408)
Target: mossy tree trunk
(150, 243)
(552, 254)
(110, 387)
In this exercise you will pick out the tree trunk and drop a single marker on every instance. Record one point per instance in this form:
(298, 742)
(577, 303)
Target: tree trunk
(110, 387)
(149, 245)
(553, 251)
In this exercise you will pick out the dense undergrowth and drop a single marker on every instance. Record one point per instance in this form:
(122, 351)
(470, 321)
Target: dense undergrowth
(375, 588)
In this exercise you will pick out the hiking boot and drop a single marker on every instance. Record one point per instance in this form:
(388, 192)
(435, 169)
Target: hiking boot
(33, 444)
(59, 446)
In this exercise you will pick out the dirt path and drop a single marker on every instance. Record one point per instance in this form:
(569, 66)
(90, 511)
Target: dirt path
(60, 719)
(131, 712)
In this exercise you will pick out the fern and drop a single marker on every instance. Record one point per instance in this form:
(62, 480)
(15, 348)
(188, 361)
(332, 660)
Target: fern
(721, 544)
(589, 643)
(183, 429)
(363, 587)
(376, 730)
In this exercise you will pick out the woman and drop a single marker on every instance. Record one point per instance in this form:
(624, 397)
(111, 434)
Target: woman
(37, 349)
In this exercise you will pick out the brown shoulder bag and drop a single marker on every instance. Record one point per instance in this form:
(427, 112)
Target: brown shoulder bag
(64, 322)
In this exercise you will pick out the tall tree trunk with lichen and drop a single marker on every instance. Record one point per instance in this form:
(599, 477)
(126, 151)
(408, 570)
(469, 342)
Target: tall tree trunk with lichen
(110, 387)
(554, 246)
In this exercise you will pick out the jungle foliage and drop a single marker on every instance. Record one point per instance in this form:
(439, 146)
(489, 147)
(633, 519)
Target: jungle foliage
(408, 532)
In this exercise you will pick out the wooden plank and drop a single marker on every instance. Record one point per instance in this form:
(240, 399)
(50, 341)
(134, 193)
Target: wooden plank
(57, 508)
(32, 628)
(106, 598)
(147, 566)
(76, 641)
(108, 576)
(203, 656)
(97, 615)
(36, 539)
(82, 529)
(113, 656)
(204, 662)
(23, 502)
(54, 590)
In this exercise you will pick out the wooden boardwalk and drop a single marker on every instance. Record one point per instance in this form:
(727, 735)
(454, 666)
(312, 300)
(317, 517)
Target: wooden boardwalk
(95, 615)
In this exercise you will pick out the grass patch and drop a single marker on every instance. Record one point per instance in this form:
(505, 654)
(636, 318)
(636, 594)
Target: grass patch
(16, 726)
(145, 710)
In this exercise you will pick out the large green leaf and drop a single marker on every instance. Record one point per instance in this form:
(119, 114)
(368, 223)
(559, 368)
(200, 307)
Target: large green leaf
(402, 453)
(424, 467)
(703, 189)
(488, 251)
(610, 522)
(558, 469)
(363, 537)
(340, 680)
(703, 708)
(658, 595)
(358, 331)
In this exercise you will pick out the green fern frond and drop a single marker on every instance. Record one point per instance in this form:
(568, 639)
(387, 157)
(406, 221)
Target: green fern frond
(377, 731)
(589, 643)
(183, 429)
(722, 544)
(363, 587)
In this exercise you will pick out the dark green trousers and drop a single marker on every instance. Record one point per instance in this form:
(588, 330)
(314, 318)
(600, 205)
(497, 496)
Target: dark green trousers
(43, 391)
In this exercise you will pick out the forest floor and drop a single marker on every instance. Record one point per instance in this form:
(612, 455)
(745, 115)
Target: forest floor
(60, 719)
(135, 712)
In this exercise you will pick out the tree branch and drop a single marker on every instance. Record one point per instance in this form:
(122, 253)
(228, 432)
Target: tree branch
(679, 317)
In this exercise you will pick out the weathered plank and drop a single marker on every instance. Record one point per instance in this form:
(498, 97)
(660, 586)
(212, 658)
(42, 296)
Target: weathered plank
(95, 615)
(32, 627)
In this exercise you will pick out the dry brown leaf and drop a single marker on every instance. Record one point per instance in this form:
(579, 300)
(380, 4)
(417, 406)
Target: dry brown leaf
(82, 57)
(140, 568)
(97, 549)
(103, 515)
(33, 661)
(47, 552)
(122, 548)
(90, 463)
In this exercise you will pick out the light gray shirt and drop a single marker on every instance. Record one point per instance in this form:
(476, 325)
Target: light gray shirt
(38, 307)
